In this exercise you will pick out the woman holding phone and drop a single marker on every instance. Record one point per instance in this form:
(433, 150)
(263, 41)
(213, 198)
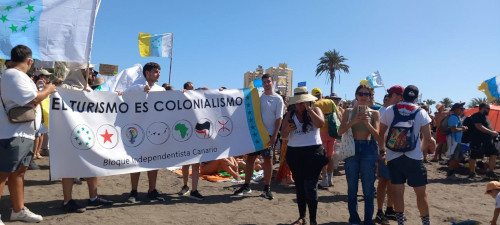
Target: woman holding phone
(305, 155)
(364, 123)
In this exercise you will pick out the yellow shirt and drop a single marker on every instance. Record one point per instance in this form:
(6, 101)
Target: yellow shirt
(327, 106)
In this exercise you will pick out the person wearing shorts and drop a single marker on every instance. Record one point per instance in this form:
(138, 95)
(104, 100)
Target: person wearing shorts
(17, 139)
(327, 106)
(440, 136)
(408, 167)
(454, 139)
(481, 144)
(271, 110)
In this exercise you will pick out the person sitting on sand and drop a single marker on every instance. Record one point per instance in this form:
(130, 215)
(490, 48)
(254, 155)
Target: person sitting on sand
(229, 165)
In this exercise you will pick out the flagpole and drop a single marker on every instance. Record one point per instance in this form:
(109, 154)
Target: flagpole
(98, 2)
(171, 56)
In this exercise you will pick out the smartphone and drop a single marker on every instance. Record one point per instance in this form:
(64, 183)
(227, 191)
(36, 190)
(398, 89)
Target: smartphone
(291, 121)
(362, 109)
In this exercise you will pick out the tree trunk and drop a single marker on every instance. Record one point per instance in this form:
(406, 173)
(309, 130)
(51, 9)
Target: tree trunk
(332, 78)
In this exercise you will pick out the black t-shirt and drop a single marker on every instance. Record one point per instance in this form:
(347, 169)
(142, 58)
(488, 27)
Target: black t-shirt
(476, 135)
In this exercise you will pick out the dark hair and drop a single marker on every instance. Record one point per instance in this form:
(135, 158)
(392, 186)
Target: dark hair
(187, 84)
(149, 66)
(20, 53)
(266, 76)
(482, 105)
(306, 119)
(364, 86)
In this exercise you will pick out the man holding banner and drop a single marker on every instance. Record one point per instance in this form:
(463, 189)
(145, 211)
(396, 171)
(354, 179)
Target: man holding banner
(76, 81)
(272, 114)
(151, 72)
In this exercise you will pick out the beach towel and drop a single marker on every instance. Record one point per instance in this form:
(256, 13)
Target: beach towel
(222, 176)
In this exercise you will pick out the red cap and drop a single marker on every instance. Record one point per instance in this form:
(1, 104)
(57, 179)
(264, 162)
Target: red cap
(396, 89)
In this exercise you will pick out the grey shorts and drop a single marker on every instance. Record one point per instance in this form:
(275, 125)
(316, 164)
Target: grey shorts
(264, 153)
(14, 153)
(458, 153)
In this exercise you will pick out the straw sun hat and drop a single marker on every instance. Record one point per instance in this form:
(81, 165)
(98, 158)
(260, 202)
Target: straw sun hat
(300, 95)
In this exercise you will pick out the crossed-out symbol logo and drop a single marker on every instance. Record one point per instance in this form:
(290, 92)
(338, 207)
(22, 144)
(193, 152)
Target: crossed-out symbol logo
(224, 126)
(82, 137)
(182, 130)
(132, 135)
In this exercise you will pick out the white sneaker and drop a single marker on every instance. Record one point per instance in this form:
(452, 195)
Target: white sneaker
(1, 223)
(25, 215)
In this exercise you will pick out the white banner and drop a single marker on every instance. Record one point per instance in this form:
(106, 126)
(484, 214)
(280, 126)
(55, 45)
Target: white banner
(101, 133)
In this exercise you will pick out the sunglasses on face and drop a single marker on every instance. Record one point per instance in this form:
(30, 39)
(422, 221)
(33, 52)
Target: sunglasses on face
(361, 94)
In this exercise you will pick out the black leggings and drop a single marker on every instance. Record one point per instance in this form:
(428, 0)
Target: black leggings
(306, 164)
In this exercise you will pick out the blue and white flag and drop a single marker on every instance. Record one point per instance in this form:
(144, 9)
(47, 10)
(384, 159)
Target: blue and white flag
(375, 80)
(54, 30)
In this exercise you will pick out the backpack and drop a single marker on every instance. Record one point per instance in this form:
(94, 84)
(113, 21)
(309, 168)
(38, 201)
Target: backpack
(401, 137)
(444, 127)
(466, 136)
(333, 122)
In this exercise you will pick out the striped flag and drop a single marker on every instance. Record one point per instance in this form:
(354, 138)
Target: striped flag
(54, 30)
(375, 80)
(159, 45)
(491, 88)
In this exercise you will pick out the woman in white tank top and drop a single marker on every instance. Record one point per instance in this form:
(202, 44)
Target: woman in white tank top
(305, 155)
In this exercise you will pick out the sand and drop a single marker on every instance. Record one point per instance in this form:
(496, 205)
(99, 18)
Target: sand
(457, 200)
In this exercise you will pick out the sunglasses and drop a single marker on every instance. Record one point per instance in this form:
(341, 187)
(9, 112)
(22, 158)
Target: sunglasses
(361, 94)
(489, 191)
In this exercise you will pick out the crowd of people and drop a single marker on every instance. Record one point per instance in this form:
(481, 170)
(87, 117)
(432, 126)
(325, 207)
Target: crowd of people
(390, 142)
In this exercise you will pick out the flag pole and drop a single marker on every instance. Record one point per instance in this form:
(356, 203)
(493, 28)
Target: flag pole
(171, 56)
(98, 2)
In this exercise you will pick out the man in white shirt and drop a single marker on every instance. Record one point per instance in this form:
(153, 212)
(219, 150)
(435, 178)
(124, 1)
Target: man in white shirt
(271, 108)
(407, 166)
(151, 72)
(17, 139)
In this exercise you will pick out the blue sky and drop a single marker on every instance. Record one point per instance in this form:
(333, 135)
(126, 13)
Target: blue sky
(446, 48)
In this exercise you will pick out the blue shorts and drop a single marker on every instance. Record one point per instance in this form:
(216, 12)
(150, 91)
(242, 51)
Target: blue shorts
(404, 169)
(383, 171)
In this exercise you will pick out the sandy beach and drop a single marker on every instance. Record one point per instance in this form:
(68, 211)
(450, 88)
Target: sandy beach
(457, 200)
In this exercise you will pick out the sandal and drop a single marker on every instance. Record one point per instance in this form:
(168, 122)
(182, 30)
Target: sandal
(300, 221)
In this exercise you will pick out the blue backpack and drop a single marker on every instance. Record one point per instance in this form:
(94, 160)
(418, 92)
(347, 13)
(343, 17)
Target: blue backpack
(401, 137)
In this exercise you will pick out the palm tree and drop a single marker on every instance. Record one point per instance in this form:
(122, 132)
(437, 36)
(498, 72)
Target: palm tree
(329, 63)
(476, 101)
(447, 102)
(429, 102)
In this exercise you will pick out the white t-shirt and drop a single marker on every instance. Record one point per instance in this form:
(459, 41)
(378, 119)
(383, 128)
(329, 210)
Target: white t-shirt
(140, 88)
(497, 201)
(421, 119)
(17, 89)
(271, 109)
(382, 110)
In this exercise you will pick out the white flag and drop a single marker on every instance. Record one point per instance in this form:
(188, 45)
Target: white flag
(54, 30)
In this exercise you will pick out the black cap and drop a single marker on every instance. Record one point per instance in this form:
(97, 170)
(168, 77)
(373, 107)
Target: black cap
(410, 93)
(457, 106)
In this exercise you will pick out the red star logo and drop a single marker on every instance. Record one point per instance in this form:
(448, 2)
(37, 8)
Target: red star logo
(107, 136)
